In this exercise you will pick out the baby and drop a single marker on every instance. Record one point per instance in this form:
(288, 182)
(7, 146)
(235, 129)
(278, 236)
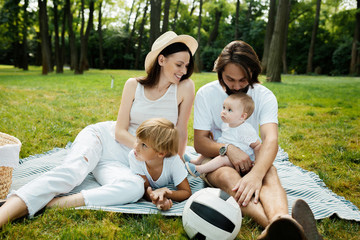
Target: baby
(236, 109)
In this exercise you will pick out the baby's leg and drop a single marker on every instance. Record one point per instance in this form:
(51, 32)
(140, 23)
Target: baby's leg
(198, 161)
(212, 165)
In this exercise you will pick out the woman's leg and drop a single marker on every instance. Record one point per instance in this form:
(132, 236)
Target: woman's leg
(13, 208)
(119, 185)
(82, 158)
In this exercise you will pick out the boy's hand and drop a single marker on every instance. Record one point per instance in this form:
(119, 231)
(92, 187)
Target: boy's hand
(158, 198)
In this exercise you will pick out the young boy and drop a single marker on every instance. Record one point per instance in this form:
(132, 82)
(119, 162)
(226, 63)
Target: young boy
(236, 109)
(155, 159)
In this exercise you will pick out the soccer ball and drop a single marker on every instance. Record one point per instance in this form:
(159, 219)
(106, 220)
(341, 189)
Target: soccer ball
(212, 213)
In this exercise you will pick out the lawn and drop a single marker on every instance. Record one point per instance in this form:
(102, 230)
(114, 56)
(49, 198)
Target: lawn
(319, 127)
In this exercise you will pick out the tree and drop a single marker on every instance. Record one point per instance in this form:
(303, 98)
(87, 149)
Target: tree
(101, 54)
(218, 11)
(59, 65)
(141, 32)
(175, 16)
(44, 37)
(268, 35)
(73, 49)
(84, 38)
(24, 59)
(284, 62)
(155, 15)
(273, 73)
(166, 16)
(355, 52)
(198, 66)
(237, 19)
(309, 67)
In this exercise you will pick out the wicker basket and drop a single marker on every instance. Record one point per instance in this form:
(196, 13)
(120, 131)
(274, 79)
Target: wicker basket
(12, 144)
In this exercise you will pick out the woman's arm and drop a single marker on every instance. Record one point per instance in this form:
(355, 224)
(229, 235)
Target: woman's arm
(123, 120)
(186, 95)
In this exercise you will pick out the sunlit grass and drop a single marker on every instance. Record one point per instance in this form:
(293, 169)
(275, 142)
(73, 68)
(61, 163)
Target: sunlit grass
(319, 128)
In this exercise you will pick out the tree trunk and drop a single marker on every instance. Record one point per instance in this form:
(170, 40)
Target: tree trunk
(198, 65)
(214, 33)
(355, 52)
(284, 62)
(25, 63)
(192, 8)
(175, 16)
(141, 33)
(165, 25)
(84, 63)
(268, 35)
(134, 24)
(56, 28)
(62, 47)
(44, 35)
(237, 19)
(127, 26)
(72, 41)
(273, 73)
(101, 54)
(155, 16)
(313, 38)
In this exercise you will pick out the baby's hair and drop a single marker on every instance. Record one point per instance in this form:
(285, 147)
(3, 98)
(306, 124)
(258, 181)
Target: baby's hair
(246, 101)
(160, 134)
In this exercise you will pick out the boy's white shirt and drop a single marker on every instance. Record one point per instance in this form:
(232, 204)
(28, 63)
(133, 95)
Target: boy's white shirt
(173, 171)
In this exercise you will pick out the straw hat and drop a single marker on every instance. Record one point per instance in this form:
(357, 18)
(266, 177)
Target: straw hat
(165, 40)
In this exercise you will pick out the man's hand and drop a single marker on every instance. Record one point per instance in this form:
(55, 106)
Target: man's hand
(158, 198)
(246, 187)
(239, 159)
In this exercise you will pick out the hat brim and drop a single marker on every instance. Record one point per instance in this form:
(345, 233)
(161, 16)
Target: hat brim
(189, 41)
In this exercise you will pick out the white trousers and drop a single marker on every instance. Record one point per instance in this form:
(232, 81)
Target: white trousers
(94, 150)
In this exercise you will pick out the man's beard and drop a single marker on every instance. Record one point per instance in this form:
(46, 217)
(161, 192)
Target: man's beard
(229, 91)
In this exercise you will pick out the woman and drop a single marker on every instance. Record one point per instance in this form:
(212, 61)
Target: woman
(103, 148)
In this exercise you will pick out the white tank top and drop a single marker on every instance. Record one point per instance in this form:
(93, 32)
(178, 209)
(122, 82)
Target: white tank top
(142, 108)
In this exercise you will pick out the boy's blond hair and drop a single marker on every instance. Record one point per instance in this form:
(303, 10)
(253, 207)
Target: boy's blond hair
(160, 134)
(246, 101)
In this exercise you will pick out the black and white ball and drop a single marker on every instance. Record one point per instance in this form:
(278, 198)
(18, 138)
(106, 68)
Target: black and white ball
(212, 213)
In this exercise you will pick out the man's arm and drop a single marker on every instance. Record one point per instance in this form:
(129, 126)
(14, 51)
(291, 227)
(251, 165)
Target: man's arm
(205, 145)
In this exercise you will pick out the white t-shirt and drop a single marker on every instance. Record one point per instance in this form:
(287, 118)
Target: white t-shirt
(209, 101)
(173, 171)
(241, 137)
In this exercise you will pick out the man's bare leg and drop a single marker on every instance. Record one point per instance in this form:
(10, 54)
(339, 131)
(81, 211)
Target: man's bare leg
(225, 178)
(273, 196)
(13, 208)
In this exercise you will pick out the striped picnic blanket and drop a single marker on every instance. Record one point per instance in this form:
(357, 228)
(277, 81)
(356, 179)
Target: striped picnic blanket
(297, 182)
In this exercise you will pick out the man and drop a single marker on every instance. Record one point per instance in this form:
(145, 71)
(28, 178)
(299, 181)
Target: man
(256, 187)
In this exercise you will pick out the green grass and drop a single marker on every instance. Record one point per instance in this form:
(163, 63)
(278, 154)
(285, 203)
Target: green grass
(319, 128)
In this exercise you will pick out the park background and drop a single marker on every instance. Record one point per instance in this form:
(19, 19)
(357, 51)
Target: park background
(47, 96)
